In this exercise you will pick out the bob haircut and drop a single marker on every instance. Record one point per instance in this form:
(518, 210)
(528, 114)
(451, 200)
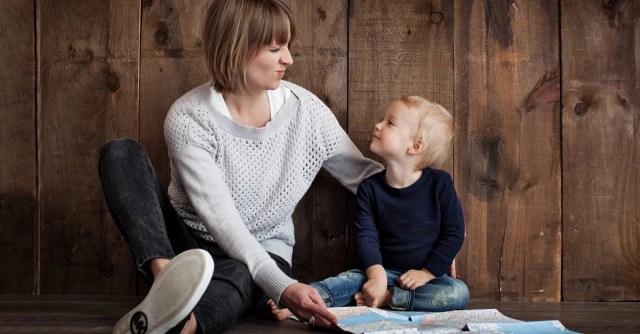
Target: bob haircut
(233, 33)
(435, 130)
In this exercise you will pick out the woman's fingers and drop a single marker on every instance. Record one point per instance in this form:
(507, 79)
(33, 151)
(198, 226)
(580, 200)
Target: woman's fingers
(321, 312)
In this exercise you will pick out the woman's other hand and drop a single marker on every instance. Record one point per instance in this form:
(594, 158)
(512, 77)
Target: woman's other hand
(307, 305)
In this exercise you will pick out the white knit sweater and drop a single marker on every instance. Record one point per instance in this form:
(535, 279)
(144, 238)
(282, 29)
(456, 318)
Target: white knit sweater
(238, 186)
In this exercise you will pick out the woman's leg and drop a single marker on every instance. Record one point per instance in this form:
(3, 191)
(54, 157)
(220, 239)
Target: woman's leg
(139, 206)
(230, 293)
(339, 290)
(148, 222)
(441, 294)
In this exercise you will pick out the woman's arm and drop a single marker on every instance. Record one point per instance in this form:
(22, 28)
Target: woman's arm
(210, 197)
(348, 165)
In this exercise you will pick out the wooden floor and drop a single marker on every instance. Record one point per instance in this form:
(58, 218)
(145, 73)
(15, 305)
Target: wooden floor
(97, 314)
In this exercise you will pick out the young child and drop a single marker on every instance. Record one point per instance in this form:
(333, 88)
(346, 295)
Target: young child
(409, 222)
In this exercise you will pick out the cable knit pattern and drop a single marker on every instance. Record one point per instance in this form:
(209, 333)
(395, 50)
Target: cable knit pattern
(238, 186)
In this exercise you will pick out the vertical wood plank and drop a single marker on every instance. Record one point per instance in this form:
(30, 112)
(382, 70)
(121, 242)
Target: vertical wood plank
(88, 55)
(171, 64)
(17, 147)
(507, 162)
(319, 51)
(601, 146)
(397, 48)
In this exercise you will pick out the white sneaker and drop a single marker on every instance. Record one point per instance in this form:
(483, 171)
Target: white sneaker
(173, 295)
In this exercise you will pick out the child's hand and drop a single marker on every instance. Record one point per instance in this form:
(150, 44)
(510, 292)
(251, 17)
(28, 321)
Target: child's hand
(414, 279)
(374, 291)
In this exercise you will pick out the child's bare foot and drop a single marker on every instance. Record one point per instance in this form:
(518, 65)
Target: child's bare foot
(279, 314)
(386, 299)
(359, 298)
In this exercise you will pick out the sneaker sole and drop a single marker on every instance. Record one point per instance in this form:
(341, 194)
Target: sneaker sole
(172, 296)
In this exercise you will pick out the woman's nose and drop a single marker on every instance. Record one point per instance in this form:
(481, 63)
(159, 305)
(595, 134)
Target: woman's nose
(286, 58)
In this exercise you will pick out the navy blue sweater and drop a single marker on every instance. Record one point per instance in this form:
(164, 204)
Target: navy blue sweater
(420, 226)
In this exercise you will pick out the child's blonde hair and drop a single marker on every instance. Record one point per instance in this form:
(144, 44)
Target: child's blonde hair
(435, 130)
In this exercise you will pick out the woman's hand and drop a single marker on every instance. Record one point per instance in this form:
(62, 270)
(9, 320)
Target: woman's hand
(305, 302)
(414, 279)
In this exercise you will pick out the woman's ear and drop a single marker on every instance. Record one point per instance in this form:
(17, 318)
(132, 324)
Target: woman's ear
(418, 147)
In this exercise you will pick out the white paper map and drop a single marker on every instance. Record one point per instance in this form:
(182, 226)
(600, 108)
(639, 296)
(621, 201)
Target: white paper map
(361, 319)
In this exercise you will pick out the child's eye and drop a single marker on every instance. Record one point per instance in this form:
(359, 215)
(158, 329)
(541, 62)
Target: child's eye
(275, 50)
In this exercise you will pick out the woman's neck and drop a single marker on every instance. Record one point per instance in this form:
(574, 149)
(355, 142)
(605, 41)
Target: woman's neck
(401, 175)
(248, 108)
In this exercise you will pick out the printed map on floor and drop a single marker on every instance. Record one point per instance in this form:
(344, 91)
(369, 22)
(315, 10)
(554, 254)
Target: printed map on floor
(362, 319)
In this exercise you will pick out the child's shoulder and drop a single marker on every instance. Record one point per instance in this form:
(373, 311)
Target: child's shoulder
(373, 181)
(437, 176)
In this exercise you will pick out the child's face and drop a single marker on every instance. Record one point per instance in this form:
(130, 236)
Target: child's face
(395, 134)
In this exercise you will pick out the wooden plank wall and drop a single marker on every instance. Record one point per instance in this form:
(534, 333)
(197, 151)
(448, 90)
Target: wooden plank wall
(507, 151)
(546, 157)
(18, 177)
(601, 145)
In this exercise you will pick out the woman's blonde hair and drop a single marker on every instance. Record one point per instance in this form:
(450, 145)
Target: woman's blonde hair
(233, 33)
(435, 129)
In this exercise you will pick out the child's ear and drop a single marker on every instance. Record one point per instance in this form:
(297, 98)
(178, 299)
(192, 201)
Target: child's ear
(418, 147)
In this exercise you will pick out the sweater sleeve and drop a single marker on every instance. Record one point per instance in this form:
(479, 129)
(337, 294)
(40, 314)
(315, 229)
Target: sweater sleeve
(344, 161)
(204, 184)
(366, 233)
(451, 230)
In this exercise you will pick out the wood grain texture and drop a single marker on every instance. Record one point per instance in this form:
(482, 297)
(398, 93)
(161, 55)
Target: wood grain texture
(17, 147)
(397, 48)
(171, 64)
(601, 150)
(319, 51)
(507, 162)
(88, 55)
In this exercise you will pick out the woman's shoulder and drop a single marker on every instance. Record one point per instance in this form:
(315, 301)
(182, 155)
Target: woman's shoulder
(200, 95)
(188, 117)
(304, 95)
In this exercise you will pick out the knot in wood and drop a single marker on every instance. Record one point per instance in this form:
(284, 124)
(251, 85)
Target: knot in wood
(581, 108)
(436, 17)
(107, 268)
(322, 14)
(112, 81)
(162, 35)
(609, 4)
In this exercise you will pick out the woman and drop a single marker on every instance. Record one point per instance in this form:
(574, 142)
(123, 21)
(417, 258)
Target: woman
(243, 148)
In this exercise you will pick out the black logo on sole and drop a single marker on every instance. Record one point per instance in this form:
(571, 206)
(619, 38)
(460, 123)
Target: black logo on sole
(139, 323)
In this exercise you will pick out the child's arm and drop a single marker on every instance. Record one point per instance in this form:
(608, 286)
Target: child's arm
(451, 230)
(368, 247)
(375, 288)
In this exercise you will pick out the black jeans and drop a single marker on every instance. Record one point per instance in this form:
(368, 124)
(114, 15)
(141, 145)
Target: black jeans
(152, 228)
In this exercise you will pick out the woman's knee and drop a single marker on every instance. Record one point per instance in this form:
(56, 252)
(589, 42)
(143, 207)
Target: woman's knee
(120, 148)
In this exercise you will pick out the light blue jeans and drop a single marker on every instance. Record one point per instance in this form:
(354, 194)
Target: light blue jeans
(441, 294)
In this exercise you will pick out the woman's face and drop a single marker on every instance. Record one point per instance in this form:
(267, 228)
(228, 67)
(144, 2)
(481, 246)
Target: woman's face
(267, 68)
